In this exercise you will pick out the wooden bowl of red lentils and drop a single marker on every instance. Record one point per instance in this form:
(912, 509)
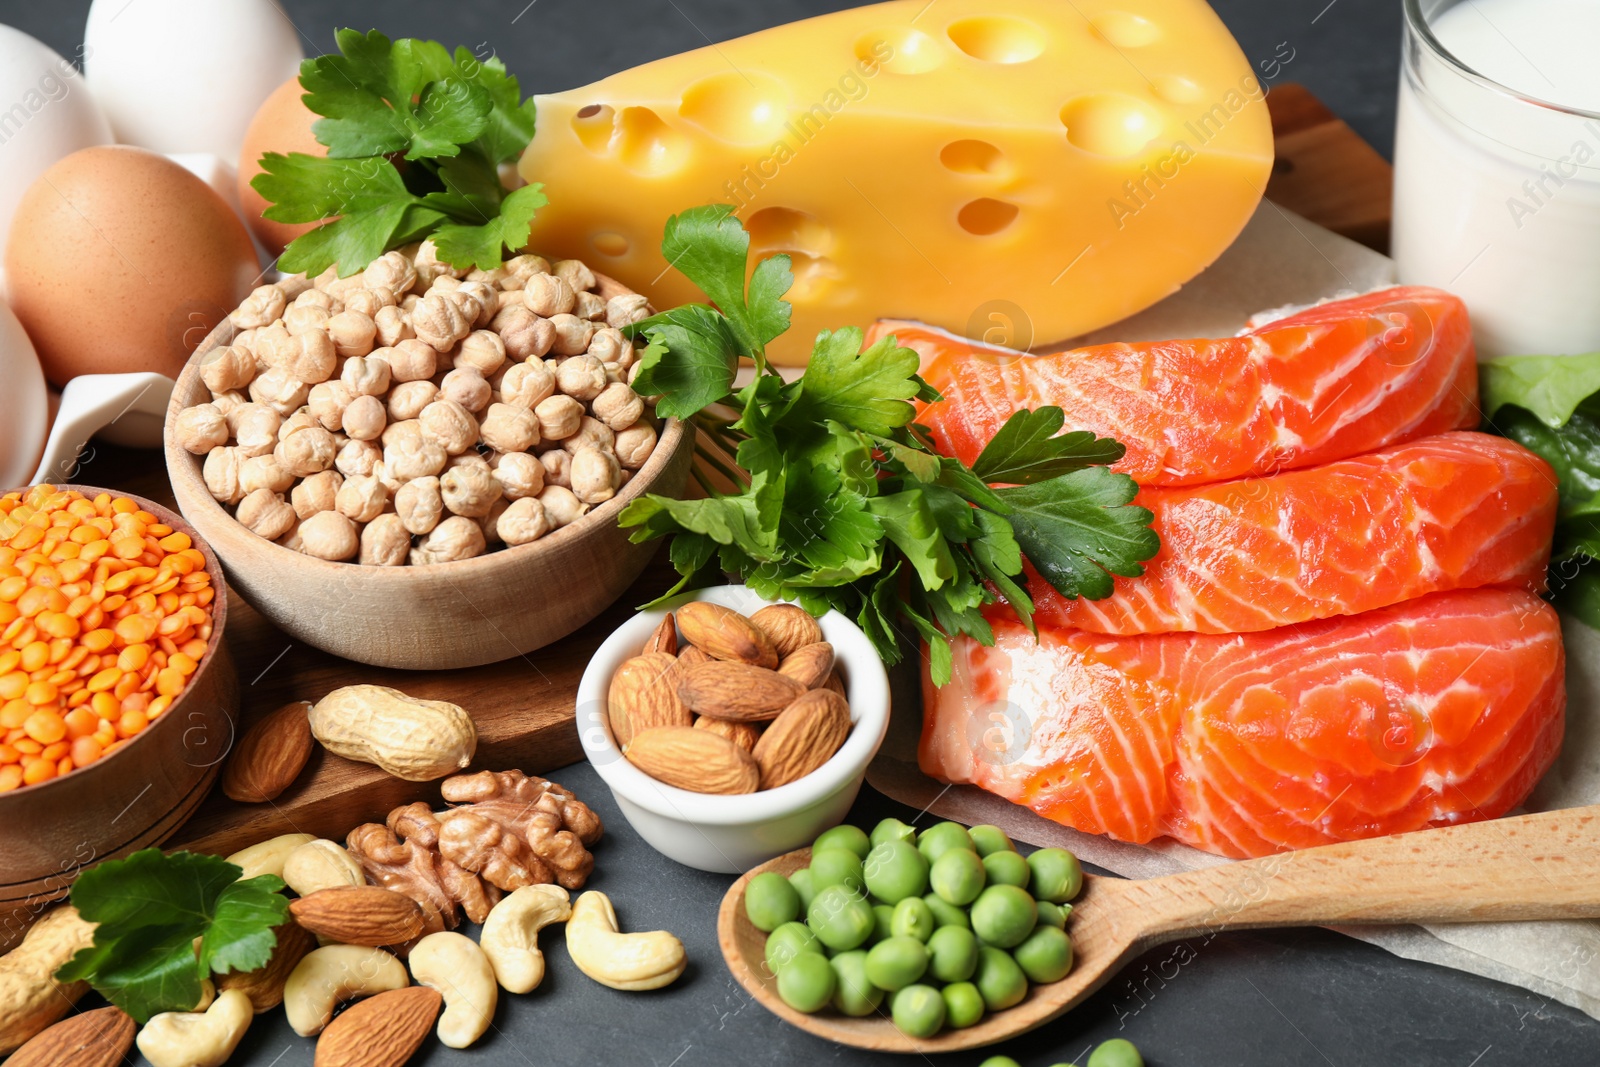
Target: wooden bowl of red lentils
(117, 695)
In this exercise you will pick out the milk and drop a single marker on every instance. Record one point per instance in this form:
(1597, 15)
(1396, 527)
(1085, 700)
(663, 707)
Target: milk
(1497, 197)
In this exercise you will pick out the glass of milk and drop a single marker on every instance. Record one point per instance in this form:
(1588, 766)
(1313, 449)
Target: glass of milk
(1497, 167)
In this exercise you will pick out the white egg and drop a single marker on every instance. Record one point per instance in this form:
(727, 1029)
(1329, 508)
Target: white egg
(24, 406)
(187, 75)
(46, 114)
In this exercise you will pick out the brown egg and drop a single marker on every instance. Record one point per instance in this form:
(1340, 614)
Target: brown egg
(283, 124)
(121, 260)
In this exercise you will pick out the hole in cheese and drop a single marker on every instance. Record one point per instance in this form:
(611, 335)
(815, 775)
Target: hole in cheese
(986, 216)
(1111, 124)
(784, 229)
(610, 243)
(647, 145)
(744, 108)
(973, 157)
(1176, 90)
(997, 38)
(901, 50)
(813, 275)
(1124, 30)
(593, 125)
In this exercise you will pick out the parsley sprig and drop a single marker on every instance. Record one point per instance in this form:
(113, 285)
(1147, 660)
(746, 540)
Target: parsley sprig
(150, 909)
(415, 137)
(838, 498)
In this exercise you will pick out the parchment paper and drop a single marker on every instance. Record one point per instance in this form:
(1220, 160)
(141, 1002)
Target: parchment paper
(1282, 259)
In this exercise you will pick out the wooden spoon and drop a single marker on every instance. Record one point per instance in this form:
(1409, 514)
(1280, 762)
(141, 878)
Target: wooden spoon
(1543, 866)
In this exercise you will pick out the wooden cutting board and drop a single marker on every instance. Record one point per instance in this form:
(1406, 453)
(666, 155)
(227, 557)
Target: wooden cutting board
(524, 707)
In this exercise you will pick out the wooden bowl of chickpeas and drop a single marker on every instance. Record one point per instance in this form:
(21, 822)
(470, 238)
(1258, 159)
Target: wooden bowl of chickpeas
(415, 468)
(114, 612)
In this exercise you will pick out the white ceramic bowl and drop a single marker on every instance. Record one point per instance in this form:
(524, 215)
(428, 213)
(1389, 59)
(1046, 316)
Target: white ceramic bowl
(728, 834)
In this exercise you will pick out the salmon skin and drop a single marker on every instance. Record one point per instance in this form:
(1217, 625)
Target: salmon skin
(1440, 710)
(1456, 511)
(1334, 381)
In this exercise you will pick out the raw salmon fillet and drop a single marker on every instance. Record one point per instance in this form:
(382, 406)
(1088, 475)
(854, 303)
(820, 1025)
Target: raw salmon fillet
(1456, 511)
(1440, 710)
(1334, 381)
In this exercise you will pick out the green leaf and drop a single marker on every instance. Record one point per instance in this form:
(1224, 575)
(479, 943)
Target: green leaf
(1030, 448)
(867, 391)
(1573, 450)
(909, 523)
(306, 188)
(710, 247)
(355, 239)
(690, 361)
(939, 656)
(961, 481)
(759, 451)
(150, 908)
(922, 465)
(1078, 531)
(510, 125)
(1551, 387)
(833, 532)
(748, 520)
(449, 114)
(484, 246)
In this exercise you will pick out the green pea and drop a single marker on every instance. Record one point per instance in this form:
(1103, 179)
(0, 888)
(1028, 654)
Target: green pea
(940, 838)
(1004, 915)
(1053, 914)
(957, 876)
(841, 918)
(770, 901)
(913, 918)
(990, 839)
(953, 954)
(804, 884)
(787, 942)
(895, 870)
(854, 994)
(1002, 868)
(836, 866)
(850, 838)
(963, 1005)
(1056, 875)
(893, 830)
(1116, 1053)
(897, 962)
(946, 913)
(807, 983)
(882, 922)
(999, 979)
(1046, 956)
(918, 1011)
(999, 1061)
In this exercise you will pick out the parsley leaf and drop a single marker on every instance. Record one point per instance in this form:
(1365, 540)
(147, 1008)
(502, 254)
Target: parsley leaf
(1078, 530)
(1030, 448)
(690, 361)
(482, 245)
(709, 247)
(868, 391)
(150, 908)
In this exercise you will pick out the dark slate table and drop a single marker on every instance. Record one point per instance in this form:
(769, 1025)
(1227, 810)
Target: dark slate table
(1278, 999)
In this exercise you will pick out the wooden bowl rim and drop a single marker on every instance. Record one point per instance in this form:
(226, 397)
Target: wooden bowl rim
(181, 463)
(1029, 1014)
(219, 619)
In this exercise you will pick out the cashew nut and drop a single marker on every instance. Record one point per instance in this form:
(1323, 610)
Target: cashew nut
(329, 976)
(621, 961)
(460, 971)
(197, 1039)
(321, 864)
(510, 935)
(267, 857)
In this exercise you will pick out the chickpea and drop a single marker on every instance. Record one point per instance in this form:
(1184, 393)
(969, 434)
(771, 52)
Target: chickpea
(264, 304)
(409, 458)
(484, 298)
(634, 445)
(520, 268)
(559, 416)
(548, 296)
(439, 321)
(469, 490)
(581, 377)
(293, 285)
(298, 420)
(618, 406)
(255, 428)
(227, 368)
(450, 425)
(316, 493)
(368, 301)
(319, 296)
(365, 418)
(361, 499)
(299, 320)
(365, 376)
(609, 346)
(561, 505)
(508, 428)
(520, 475)
(329, 535)
(420, 504)
(260, 472)
(263, 512)
(393, 325)
(482, 351)
(493, 276)
(557, 466)
(268, 344)
(591, 433)
(525, 334)
(595, 475)
(526, 384)
(409, 360)
(352, 332)
(626, 310)
(410, 428)
(572, 335)
(524, 520)
(201, 428)
(466, 387)
(385, 542)
(327, 403)
(357, 458)
(590, 307)
(407, 399)
(574, 273)
(221, 473)
(279, 390)
(457, 537)
(306, 452)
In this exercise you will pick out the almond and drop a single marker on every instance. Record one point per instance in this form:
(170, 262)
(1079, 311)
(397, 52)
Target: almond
(723, 633)
(360, 915)
(835, 684)
(644, 694)
(803, 738)
(99, 1038)
(270, 756)
(665, 638)
(380, 1031)
(743, 734)
(790, 627)
(809, 665)
(264, 985)
(697, 760)
(736, 691)
(690, 656)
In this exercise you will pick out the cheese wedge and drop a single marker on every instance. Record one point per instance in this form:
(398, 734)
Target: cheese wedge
(1020, 171)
